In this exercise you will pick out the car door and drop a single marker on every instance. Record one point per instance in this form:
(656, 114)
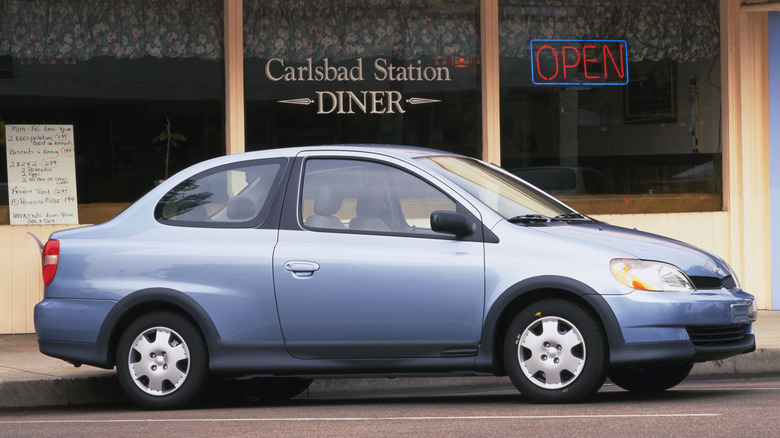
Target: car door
(361, 274)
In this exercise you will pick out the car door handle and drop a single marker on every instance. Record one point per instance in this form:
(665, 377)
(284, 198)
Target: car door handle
(301, 269)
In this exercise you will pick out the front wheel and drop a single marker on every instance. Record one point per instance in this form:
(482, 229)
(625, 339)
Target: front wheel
(555, 352)
(161, 361)
(650, 378)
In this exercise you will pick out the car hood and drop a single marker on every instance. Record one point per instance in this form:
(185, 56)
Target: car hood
(638, 244)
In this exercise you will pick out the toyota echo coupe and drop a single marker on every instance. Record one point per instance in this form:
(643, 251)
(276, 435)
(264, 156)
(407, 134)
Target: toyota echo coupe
(276, 267)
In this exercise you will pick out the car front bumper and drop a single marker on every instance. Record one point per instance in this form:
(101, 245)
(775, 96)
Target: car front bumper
(681, 327)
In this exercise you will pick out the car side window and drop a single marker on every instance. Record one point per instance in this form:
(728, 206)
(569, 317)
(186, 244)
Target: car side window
(229, 196)
(365, 196)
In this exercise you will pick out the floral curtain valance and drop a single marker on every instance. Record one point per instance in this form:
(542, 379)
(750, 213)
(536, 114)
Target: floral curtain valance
(83, 29)
(680, 30)
(343, 29)
(296, 30)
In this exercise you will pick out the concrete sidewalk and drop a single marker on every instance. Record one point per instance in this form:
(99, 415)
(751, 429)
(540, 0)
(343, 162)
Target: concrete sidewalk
(30, 379)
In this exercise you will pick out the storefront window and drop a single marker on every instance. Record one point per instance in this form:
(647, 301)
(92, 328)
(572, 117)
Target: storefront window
(380, 71)
(122, 74)
(605, 140)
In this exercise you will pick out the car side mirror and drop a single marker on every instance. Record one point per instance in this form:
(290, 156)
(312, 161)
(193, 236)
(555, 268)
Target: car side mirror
(450, 223)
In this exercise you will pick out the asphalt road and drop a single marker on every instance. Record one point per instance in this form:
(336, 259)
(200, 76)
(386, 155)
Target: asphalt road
(696, 408)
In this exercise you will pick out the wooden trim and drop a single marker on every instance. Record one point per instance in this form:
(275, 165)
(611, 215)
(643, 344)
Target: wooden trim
(732, 126)
(489, 69)
(730, 77)
(20, 275)
(234, 76)
(755, 154)
(746, 145)
(760, 6)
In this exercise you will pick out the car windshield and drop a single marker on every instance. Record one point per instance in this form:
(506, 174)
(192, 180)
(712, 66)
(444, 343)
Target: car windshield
(507, 196)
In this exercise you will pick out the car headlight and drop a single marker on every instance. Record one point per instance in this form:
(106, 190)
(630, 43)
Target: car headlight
(653, 276)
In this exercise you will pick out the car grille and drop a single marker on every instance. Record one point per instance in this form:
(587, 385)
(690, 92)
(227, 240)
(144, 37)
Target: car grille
(714, 336)
(713, 282)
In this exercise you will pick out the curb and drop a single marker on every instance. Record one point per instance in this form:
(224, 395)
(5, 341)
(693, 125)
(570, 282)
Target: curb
(761, 361)
(104, 388)
(60, 392)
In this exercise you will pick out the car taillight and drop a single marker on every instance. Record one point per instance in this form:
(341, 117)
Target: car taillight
(50, 256)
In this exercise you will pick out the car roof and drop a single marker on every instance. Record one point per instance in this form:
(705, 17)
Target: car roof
(389, 149)
(520, 169)
(398, 151)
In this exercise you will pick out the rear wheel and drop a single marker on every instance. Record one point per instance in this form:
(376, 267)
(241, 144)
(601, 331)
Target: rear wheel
(161, 361)
(650, 378)
(555, 352)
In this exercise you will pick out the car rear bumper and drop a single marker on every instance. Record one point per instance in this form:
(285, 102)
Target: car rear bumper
(77, 353)
(68, 329)
(71, 320)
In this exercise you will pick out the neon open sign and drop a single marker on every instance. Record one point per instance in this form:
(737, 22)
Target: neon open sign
(579, 62)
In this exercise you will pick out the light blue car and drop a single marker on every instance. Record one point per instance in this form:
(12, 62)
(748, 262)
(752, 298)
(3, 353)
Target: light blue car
(293, 264)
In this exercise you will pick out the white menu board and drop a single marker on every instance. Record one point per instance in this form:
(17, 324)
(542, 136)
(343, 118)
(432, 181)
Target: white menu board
(41, 174)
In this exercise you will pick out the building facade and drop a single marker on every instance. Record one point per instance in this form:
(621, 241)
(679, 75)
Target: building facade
(649, 114)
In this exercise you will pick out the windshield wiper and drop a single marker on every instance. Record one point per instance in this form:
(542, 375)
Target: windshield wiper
(529, 218)
(572, 217)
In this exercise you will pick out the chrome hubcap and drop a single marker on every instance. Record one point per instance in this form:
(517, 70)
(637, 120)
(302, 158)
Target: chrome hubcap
(551, 352)
(159, 361)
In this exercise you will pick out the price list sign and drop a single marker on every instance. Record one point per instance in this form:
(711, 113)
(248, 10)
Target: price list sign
(41, 174)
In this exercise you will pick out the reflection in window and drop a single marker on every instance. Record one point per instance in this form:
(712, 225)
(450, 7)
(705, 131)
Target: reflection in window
(116, 71)
(365, 196)
(495, 189)
(384, 71)
(659, 136)
(558, 180)
(227, 196)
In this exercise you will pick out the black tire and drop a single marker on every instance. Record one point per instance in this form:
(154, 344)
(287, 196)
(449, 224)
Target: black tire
(274, 389)
(556, 352)
(650, 378)
(162, 361)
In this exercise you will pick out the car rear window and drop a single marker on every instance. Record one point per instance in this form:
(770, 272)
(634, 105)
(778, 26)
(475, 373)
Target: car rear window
(236, 195)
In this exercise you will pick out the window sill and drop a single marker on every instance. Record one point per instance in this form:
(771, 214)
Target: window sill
(88, 213)
(587, 204)
(644, 203)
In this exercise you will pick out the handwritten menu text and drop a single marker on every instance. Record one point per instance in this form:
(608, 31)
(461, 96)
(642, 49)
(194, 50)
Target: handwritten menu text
(41, 174)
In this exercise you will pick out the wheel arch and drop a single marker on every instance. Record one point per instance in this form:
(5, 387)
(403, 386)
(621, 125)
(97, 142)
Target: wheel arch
(528, 291)
(143, 301)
